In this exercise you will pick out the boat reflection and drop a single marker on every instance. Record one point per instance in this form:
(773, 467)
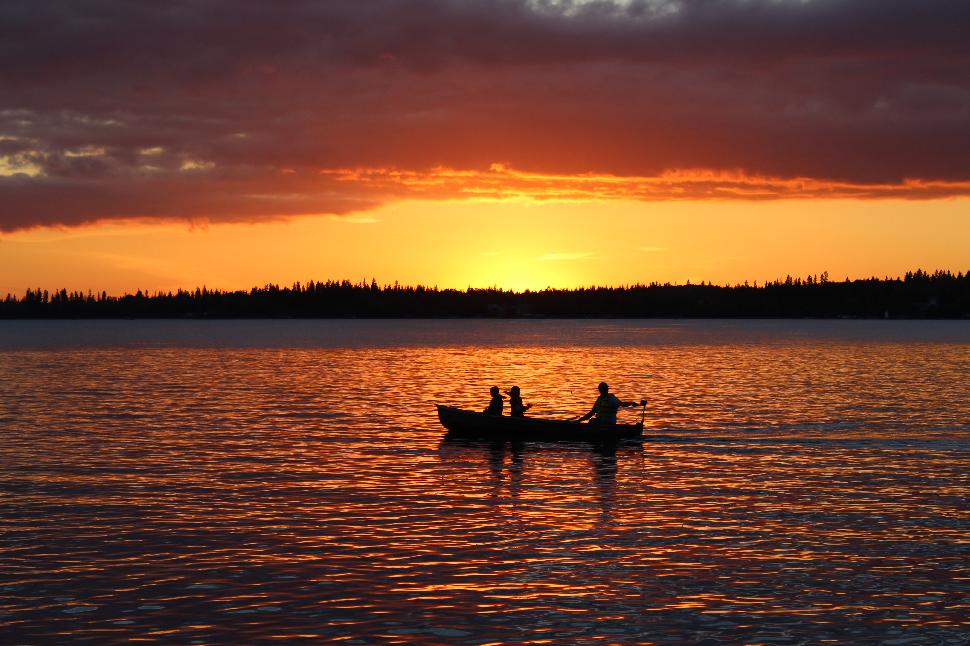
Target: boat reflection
(543, 470)
(496, 463)
(603, 460)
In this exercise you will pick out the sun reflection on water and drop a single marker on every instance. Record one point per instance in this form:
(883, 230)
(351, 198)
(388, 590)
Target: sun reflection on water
(785, 492)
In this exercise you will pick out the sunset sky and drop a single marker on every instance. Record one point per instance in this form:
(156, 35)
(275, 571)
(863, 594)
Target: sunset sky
(518, 143)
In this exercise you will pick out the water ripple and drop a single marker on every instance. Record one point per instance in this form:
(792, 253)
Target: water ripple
(794, 487)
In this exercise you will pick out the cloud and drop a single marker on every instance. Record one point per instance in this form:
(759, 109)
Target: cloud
(356, 219)
(503, 182)
(230, 110)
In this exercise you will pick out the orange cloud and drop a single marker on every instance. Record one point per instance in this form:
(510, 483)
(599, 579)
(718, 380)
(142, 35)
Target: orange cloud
(504, 182)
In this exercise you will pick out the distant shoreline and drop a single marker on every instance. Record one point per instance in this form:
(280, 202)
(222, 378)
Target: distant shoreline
(918, 295)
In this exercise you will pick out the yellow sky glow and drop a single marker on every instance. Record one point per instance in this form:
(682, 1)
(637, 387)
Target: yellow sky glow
(511, 243)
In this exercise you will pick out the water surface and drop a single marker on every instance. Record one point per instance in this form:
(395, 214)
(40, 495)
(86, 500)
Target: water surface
(240, 481)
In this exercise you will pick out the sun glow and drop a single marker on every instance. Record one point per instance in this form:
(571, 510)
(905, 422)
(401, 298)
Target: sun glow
(513, 243)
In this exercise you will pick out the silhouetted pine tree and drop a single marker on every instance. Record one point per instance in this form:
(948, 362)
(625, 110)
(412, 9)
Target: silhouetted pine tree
(918, 294)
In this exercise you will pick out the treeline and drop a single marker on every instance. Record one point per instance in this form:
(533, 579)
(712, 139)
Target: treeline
(918, 294)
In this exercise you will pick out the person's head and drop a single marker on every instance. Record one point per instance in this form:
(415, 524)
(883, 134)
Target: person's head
(514, 390)
(494, 391)
(604, 388)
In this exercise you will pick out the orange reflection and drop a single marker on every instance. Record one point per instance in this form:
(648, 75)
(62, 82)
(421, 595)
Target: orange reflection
(306, 489)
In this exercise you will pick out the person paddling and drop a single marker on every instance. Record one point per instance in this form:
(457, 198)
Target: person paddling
(605, 407)
(495, 405)
(516, 407)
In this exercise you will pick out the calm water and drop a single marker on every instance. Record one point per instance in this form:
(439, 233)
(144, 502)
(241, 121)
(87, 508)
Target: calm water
(245, 481)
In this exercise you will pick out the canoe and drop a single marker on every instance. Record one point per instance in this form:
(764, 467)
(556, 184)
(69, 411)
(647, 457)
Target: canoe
(464, 422)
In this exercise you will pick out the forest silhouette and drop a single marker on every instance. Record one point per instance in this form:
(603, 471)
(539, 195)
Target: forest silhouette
(918, 294)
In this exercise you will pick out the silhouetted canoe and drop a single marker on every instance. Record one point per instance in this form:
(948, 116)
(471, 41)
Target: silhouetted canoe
(464, 422)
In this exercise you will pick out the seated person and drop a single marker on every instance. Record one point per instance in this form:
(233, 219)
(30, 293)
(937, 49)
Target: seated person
(516, 407)
(495, 405)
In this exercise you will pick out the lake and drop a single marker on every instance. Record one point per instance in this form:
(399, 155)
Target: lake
(249, 481)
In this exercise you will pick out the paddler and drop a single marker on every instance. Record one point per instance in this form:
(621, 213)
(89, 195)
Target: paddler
(605, 407)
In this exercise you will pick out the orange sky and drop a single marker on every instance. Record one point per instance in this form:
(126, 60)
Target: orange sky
(513, 243)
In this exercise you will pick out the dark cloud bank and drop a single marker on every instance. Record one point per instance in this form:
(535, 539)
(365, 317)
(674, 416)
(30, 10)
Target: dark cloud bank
(230, 110)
